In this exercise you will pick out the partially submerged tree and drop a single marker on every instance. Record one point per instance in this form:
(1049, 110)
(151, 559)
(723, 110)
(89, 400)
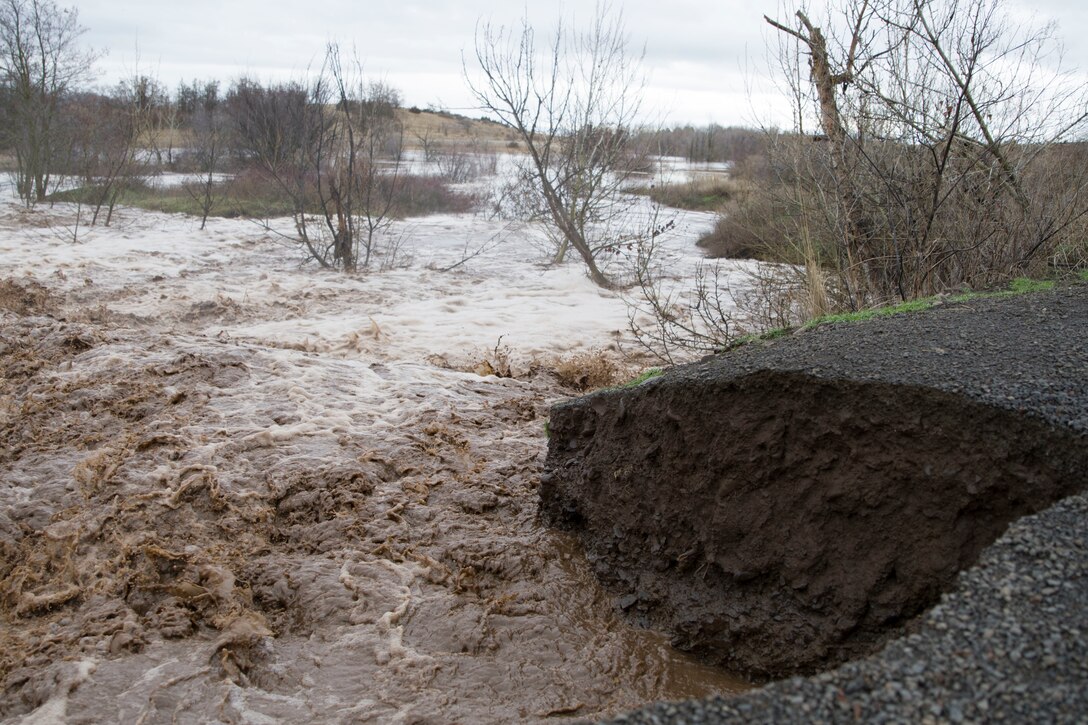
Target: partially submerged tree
(333, 148)
(283, 128)
(102, 152)
(573, 104)
(202, 110)
(40, 62)
(362, 187)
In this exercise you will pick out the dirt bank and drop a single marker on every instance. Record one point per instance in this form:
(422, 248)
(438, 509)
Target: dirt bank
(786, 507)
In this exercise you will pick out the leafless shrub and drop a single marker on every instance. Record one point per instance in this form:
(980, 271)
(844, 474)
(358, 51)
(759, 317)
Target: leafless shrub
(939, 123)
(675, 319)
(394, 252)
(471, 250)
(417, 195)
(496, 361)
(210, 146)
(460, 167)
(732, 239)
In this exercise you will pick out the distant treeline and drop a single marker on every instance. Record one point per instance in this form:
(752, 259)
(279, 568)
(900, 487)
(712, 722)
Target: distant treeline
(705, 144)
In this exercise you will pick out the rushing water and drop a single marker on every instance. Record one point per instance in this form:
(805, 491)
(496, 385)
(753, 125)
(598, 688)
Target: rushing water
(239, 491)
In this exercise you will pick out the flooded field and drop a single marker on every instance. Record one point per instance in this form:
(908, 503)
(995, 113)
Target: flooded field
(237, 489)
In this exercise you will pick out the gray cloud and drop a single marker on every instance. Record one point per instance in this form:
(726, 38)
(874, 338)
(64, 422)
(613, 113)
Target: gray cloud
(705, 58)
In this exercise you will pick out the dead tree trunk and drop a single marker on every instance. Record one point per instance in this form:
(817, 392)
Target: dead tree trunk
(857, 256)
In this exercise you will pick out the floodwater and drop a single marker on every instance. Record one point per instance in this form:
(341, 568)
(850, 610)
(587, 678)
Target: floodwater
(235, 490)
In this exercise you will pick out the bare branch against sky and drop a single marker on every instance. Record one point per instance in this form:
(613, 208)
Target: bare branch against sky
(705, 58)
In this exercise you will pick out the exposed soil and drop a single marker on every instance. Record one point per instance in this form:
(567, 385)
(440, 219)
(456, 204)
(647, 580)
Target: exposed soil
(788, 507)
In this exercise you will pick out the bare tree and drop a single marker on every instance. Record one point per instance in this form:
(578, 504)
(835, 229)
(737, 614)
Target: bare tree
(102, 150)
(40, 62)
(334, 149)
(573, 104)
(210, 139)
(937, 120)
(369, 142)
(286, 131)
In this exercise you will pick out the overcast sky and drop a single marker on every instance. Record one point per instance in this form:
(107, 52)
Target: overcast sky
(705, 58)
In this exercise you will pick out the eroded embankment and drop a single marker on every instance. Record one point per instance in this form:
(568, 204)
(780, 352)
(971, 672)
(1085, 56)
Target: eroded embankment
(784, 509)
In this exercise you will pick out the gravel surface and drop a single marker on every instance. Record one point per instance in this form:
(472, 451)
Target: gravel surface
(1027, 353)
(1010, 642)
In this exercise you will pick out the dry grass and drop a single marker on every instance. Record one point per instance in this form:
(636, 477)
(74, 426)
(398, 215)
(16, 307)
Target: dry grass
(580, 371)
(164, 138)
(447, 131)
(589, 371)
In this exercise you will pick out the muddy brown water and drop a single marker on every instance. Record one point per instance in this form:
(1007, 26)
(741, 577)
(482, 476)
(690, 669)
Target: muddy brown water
(197, 530)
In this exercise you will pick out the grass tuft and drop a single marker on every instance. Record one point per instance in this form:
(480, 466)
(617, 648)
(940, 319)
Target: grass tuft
(587, 371)
(647, 375)
(868, 314)
(1023, 285)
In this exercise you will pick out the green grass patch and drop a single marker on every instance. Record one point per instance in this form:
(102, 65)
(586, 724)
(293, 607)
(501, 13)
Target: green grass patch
(705, 195)
(868, 314)
(649, 374)
(1024, 285)
(968, 296)
(646, 375)
(760, 337)
(1084, 275)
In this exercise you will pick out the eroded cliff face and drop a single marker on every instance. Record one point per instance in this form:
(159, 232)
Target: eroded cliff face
(779, 522)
